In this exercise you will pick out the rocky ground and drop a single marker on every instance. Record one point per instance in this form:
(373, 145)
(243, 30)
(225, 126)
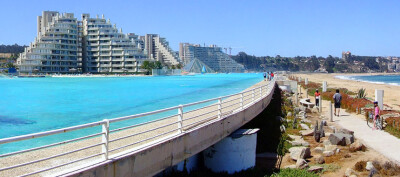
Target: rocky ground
(324, 147)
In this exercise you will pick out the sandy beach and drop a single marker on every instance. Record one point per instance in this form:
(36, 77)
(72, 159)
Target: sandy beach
(391, 92)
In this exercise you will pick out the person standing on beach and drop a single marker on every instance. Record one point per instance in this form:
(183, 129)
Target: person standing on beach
(317, 95)
(337, 98)
(272, 75)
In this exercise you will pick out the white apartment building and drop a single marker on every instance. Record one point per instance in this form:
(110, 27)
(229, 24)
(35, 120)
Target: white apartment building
(107, 50)
(56, 48)
(211, 56)
(157, 48)
(67, 45)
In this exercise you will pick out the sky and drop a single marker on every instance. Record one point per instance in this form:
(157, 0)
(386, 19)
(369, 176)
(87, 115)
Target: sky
(257, 27)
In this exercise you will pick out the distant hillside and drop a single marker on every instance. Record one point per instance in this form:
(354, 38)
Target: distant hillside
(11, 48)
(355, 64)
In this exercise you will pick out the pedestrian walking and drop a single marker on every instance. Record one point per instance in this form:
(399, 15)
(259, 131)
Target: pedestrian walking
(337, 98)
(317, 95)
(265, 76)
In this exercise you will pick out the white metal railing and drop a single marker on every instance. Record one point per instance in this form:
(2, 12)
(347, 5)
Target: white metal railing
(98, 147)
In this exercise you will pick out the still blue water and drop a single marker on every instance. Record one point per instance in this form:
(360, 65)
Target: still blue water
(379, 79)
(30, 105)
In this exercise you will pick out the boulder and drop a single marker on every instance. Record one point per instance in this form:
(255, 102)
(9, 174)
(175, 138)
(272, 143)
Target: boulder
(319, 150)
(341, 139)
(295, 137)
(301, 164)
(328, 153)
(330, 148)
(369, 166)
(283, 129)
(326, 142)
(356, 146)
(304, 127)
(349, 172)
(345, 131)
(315, 169)
(314, 109)
(307, 132)
(319, 159)
(299, 153)
(324, 123)
(305, 121)
(299, 143)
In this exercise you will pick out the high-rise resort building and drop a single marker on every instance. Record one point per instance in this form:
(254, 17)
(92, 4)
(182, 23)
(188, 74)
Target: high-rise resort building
(157, 48)
(212, 57)
(107, 50)
(56, 46)
(65, 44)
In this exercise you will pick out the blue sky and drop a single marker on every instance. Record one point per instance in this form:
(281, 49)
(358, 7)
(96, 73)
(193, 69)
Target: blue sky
(259, 27)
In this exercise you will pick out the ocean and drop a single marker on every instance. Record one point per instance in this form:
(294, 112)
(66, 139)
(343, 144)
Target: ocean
(378, 79)
(31, 105)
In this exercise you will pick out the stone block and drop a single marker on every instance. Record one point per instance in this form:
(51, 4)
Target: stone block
(299, 153)
(301, 164)
(319, 159)
(328, 153)
(341, 139)
(315, 169)
(304, 127)
(307, 132)
(319, 150)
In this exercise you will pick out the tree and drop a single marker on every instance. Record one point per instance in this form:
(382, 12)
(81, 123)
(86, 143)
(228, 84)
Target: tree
(157, 65)
(329, 64)
(10, 65)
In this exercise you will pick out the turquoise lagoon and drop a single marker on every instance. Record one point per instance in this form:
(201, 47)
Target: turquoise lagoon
(30, 105)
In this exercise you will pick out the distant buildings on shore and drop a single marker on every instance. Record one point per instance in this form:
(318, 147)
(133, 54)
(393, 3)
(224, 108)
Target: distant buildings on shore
(65, 44)
(197, 58)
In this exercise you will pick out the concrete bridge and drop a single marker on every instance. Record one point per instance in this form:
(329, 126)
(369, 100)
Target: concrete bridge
(141, 149)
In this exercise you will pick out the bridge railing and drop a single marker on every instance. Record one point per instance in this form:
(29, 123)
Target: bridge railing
(103, 143)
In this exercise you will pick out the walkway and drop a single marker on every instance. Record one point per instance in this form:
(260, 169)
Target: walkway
(380, 141)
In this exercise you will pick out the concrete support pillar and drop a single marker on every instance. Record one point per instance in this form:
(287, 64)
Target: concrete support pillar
(306, 81)
(320, 105)
(379, 98)
(234, 153)
(324, 86)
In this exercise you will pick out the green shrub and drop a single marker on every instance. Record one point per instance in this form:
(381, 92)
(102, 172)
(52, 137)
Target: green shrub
(294, 172)
(361, 93)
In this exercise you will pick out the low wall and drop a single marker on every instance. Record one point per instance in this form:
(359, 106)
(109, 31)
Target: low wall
(153, 158)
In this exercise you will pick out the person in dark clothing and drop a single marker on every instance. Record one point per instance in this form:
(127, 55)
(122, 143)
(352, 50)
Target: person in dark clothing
(337, 98)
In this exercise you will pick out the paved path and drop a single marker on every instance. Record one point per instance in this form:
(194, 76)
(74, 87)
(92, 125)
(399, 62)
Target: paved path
(380, 141)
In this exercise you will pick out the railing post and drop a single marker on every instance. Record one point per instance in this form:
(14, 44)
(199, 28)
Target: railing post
(180, 118)
(105, 138)
(219, 107)
(241, 100)
(252, 95)
(260, 92)
(266, 89)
